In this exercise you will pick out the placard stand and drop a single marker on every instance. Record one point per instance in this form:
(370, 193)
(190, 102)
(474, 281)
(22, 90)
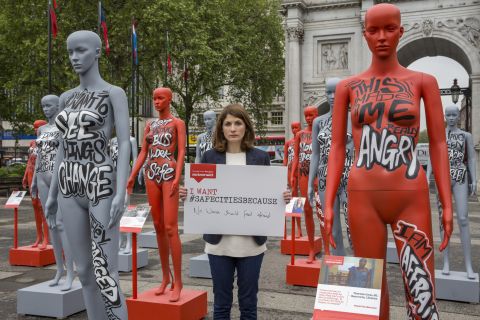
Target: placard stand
(457, 287)
(302, 246)
(299, 272)
(191, 306)
(26, 255)
(148, 239)
(200, 267)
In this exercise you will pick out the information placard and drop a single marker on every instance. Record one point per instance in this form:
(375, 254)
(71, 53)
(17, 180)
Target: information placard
(15, 199)
(236, 200)
(349, 288)
(134, 218)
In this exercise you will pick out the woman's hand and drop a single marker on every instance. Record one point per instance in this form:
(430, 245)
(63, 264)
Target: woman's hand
(287, 196)
(182, 192)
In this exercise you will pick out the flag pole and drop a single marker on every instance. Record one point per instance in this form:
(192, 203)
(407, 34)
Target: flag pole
(99, 17)
(133, 80)
(49, 46)
(166, 57)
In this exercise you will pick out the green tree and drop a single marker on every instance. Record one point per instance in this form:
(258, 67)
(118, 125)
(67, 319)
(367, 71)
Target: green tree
(423, 137)
(238, 44)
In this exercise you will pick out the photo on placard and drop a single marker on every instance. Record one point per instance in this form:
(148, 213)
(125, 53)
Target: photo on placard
(295, 205)
(351, 272)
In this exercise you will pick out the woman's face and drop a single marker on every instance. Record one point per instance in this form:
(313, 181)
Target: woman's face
(233, 129)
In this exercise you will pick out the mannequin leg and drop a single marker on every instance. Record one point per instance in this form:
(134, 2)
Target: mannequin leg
(309, 223)
(77, 229)
(412, 230)
(46, 233)
(460, 194)
(170, 206)
(369, 236)
(38, 221)
(128, 243)
(344, 205)
(337, 230)
(67, 253)
(105, 259)
(446, 252)
(155, 199)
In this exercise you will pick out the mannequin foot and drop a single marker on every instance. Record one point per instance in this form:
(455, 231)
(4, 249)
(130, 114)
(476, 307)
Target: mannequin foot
(470, 273)
(126, 251)
(55, 280)
(36, 243)
(43, 245)
(67, 285)
(446, 269)
(311, 256)
(175, 296)
(163, 286)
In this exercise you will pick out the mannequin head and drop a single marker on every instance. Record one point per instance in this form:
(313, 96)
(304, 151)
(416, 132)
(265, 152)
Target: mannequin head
(162, 98)
(310, 113)
(383, 30)
(295, 127)
(84, 49)
(452, 114)
(209, 118)
(37, 124)
(50, 105)
(330, 86)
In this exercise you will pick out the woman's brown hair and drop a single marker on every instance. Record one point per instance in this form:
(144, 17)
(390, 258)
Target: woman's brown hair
(236, 110)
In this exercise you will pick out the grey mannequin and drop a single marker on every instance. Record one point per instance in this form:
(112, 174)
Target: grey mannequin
(124, 237)
(321, 140)
(47, 146)
(460, 148)
(88, 189)
(204, 140)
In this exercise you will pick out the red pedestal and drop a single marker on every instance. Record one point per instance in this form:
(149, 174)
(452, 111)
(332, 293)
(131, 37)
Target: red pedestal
(303, 274)
(191, 306)
(333, 315)
(302, 247)
(32, 257)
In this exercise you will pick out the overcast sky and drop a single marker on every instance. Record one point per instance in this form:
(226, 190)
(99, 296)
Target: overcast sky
(445, 70)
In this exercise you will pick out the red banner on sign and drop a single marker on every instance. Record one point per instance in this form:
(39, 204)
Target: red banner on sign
(200, 171)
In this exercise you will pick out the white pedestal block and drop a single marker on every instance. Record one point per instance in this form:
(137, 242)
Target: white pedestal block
(200, 267)
(125, 260)
(148, 240)
(392, 256)
(457, 287)
(42, 300)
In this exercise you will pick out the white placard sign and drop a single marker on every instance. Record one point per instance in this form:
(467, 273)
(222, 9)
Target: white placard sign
(15, 199)
(238, 200)
(134, 218)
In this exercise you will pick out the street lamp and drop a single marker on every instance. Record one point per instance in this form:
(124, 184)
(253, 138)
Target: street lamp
(455, 91)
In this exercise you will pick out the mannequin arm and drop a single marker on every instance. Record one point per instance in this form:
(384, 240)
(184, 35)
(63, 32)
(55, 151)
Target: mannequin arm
(134, 148)
(181, 132)
(336, 158)
(120, 105)
(294, 173)
(472, 164)
(139, 161)
(313, 162)
(285, 154)
(33, 187)
(197, 148)
(438, 151)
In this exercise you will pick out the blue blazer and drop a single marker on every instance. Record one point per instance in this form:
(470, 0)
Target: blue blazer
(254, 157)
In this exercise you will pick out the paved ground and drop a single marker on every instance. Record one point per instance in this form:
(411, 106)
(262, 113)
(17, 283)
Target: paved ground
(276, 299)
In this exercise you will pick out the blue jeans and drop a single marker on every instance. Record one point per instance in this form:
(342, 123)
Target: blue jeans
(248, 272)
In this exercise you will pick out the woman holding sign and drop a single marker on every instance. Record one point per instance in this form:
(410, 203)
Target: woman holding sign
(233, 145)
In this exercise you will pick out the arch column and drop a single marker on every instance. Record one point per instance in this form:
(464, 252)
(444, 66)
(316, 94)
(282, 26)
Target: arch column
(476, 117)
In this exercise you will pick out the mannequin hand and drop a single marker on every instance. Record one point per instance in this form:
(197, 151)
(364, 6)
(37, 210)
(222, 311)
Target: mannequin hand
(25, 183)
(116, 210)
(287, 196)
(34, 190)
(130, 184)
(447, 229)
(310, 197)
(328, 228)
(140, 177)
(174, 187)
(182, 192)
(293, 181)
(51, 212)
(473, 188)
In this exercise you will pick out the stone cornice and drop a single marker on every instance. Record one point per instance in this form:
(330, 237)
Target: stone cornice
(337, 5)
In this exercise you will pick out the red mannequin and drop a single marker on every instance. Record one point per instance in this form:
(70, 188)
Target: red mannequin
(386, 184)
(40, 221)
(162, 138)
(288, 155)
(300, 169)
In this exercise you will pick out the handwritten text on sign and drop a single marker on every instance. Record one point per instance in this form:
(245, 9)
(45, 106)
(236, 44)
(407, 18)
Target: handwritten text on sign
(239, 200)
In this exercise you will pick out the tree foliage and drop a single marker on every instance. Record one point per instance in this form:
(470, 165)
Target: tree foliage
(238, 44)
